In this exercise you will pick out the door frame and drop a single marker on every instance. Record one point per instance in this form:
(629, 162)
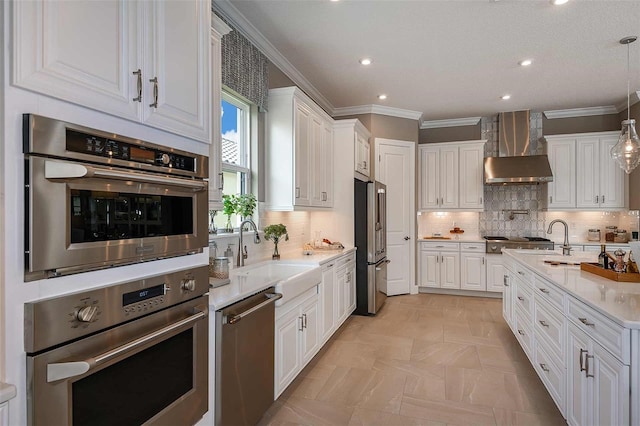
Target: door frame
(413, 145)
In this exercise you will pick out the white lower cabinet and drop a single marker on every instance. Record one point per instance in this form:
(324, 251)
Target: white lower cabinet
(473, 267)
(439, 265)
(345, 289)
(327, 303)
(4, 414)
(296, 337)
(598, 383)
(495, 273)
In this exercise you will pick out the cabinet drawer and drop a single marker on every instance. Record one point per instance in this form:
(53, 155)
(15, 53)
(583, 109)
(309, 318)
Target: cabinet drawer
(523, 298)
(473, 247)
(524, 333)
(522, 273)
(549, 293)
(439, 246)
(610, 335)
(344, 260)
(552, 373)
(549, 324)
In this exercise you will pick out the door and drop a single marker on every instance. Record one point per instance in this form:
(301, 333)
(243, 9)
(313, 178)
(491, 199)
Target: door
(471, 177)
(449, 178)
(310, 340)
(450, 270)
(588, 166)
(216, 181)
(317, 162)
(326, 301)
(429, 269)
(288, 361)
(396, 169)
(612, 177)
(577, 384)
(473, 271)
(562, 158)
(302, 125)
(429, 195)
(495, 273)
(610, 388)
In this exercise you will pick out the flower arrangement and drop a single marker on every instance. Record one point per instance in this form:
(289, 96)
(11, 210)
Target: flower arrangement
(274, 233)
(230, 205)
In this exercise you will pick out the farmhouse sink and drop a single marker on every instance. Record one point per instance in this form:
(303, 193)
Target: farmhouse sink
(290, 279)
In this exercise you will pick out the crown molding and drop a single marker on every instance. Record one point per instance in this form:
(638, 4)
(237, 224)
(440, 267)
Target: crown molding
(246, 28)
(582, 112)
(454, 122)
(219, 25)
(377, 109)
(634, 98)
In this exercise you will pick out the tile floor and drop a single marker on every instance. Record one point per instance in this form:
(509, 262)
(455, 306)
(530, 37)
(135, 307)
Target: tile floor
(423, 360)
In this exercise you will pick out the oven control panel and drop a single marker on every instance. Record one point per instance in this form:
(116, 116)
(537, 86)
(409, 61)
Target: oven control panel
(99, 146)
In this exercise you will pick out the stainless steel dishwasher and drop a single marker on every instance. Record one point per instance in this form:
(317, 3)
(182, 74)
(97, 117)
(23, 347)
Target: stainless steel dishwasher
(244, 359)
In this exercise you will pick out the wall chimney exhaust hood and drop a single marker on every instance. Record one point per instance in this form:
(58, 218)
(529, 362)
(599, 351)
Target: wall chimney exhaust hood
(514, 164)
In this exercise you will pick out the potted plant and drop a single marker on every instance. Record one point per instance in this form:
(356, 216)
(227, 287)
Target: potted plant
(274, 233)
(230, 206)
(246, 205)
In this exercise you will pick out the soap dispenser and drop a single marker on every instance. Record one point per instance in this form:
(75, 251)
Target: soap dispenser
(228, 253)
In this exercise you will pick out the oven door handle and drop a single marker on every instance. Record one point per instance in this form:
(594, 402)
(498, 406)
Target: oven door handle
(65, 370)
(58, 170)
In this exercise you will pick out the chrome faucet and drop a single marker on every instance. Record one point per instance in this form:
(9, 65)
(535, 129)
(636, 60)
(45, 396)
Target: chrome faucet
(242, 250)
(566, 248)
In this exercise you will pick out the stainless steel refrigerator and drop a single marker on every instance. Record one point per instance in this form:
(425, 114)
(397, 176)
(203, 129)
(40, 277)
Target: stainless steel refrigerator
(370, 214)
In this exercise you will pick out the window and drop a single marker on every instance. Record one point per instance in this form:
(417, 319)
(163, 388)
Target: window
(236, 151)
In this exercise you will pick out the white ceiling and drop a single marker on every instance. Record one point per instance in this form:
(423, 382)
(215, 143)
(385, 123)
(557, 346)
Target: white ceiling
(449, 59)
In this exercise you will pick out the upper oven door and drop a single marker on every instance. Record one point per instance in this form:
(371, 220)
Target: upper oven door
(84, 217)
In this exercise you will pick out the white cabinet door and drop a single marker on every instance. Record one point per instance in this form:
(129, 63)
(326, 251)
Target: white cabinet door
(176, 77)
(310, 337)
(495, 273)
(288, 361)
(471, 177)
(611, 390)
(450, 270)
(362, 154)
(303, 131)
(327, 169)
(429, 184)
(588, 173)
(4, 414)
(449, 178)
(341, 301)
(327, 294)
(316, 161)
(216, 181)
(429, 268)
(507, 301)
(351, 288)
(562, 157)
(612, 177)
(81, 52)
(473, 271)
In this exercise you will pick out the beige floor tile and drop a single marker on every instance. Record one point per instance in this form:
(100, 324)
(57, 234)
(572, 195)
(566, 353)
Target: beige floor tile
(519, 418)
(446, 354)
(422, 380)
(365, 417)
(449, 412)
(413, 330)
(349, 354)
(304, 411)
(505, 359)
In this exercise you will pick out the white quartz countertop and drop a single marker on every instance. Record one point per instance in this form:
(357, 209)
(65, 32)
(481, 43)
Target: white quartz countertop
(461, 239)
(242, 287)
(619, 301)
(7, 392)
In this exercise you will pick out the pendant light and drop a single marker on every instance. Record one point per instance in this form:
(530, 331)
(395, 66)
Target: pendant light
(627, 151)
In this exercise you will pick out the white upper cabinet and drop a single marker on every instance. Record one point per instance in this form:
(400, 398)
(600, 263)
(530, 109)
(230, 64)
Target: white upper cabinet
(362, 150)
(584, 174)
(451, 176)
(299, 152)
(139, 60)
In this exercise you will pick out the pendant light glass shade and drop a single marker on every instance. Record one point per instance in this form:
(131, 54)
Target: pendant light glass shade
(627, 151)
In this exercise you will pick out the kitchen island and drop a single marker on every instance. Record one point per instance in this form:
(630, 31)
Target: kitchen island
(580, 331)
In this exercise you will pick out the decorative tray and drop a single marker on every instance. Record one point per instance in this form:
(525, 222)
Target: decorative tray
(610, 274)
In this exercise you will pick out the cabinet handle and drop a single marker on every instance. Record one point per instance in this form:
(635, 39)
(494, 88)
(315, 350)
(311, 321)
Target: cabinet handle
(304, 320)
(582, 351)
(505, 280)
(221, 187)
(543, 323)
(483, 260)
(480, 200)
(544, 290)
(521, 273)
(585, 322)
(544, 367)
(154, 80)
(439, 246)
(602, 203)
(550, 199)
(586, 365)
(139, 85)
(597, 199)
(297, 192)
(520, 332)
(520, 298)
(364, 164)
(301, 324)
(407, 238)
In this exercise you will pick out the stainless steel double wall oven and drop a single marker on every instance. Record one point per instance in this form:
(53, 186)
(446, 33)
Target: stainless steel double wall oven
(95, 199)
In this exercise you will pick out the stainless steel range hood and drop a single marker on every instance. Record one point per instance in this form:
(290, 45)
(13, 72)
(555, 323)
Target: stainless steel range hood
(514, 164)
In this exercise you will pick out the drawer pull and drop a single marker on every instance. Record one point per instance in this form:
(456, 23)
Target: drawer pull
(544, 367)
(521, 273)
(520, 298)
(543, 323)
(544, 290)
(586, 365)
(587, 323)
(520, 332)
(582, 351)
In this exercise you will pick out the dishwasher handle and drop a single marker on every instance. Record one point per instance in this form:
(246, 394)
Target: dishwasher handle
(271, 298)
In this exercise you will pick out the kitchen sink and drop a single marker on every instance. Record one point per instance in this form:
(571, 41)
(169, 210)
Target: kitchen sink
(290, 279)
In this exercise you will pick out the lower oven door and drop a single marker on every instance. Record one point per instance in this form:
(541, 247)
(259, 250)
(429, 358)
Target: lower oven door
(153, 371)
(84, 217)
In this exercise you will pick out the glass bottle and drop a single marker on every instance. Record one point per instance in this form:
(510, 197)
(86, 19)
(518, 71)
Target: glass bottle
(603, 258)
(619, 266)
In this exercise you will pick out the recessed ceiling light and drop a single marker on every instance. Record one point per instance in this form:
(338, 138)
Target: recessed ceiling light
(382, 97)
(559, 2)
(505, 97)
(525, 63)
(366, 61)
(335, 0)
